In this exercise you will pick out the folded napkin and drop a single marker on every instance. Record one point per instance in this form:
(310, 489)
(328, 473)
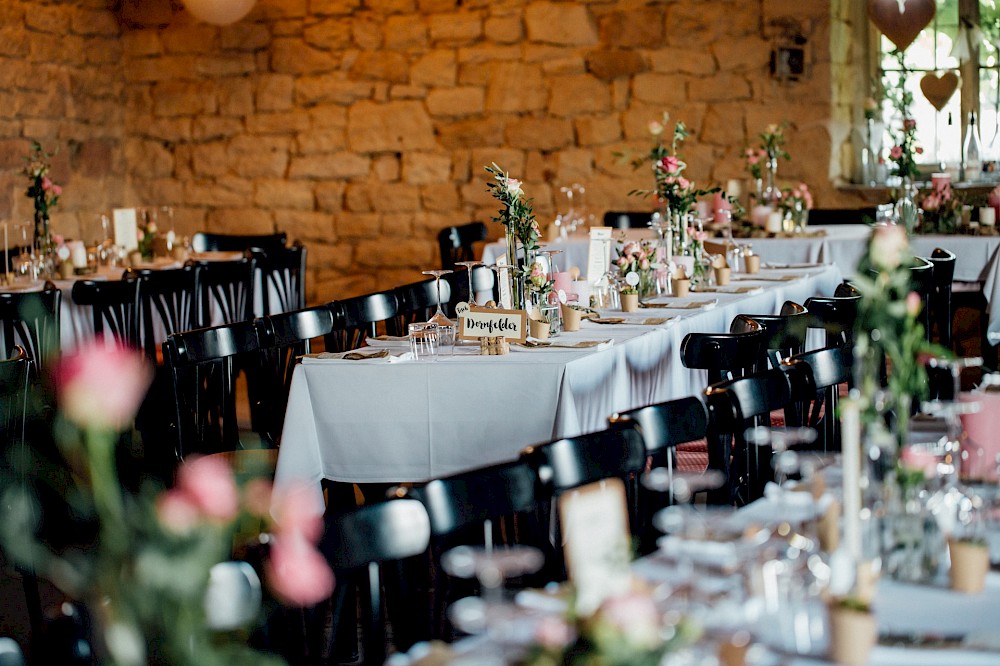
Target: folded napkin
(563, 344)
(793, 265)
(691, 305)
(648, 321)
(733, 290)
(767, 278)
(359, 355)
(388, 341)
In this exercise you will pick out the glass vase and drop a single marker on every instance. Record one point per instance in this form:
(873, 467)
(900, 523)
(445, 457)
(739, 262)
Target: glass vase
(906, 209)
(771, 192)
(516, 276)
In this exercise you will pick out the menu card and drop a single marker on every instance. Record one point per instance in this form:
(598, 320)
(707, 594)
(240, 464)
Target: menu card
(506, 300)
(126, 226)
(594, 520)
(599, 254)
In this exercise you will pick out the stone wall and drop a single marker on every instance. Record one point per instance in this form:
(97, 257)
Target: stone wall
(361, 126)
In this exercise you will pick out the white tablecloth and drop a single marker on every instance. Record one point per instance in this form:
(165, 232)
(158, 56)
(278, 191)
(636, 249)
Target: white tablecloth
(976, 256)
(375, 421)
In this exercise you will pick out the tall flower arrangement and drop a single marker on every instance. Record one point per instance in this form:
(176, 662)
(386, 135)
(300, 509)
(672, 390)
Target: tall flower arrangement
(772, 141)
(43, 193)
(903, 153)
(144, 570)
(639, 258)
(520, 226)
(672, 188)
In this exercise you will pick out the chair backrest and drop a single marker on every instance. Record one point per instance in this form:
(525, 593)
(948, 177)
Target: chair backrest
(458, 243)
(362, 315)
(736, 405)
(836, 315)
(846, 289)
(665, 425)
(627, 219)
(816, 375)
(32, 320)
(472, 498)
(784, 334)
(284, 337)
(14, 373)
(725, 355)
(207, 242)
(940, 305)
(168, 300)
(283, 278)
(225, 290)
(571, 462)
(114, 306)
(203, 365)
(417, 302)
(359, 541)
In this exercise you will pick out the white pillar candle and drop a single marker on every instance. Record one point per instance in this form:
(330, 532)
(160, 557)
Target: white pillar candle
(988, 216)
(774, 222)
(78, 254)
(850, 432)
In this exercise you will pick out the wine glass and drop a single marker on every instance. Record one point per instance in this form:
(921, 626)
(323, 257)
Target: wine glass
(469, 265)
(439, 317)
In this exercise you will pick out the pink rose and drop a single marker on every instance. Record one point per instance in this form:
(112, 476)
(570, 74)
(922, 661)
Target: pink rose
(56, 190)
(46, 183)
(635, 617)
(297, 573)
(909, 124)
(701, 236)
(670, 163)
(553, 632)
(752, 158)
(895, 152)
(102, 385)
(622, 262)
(257, 497)
(644, 265)
(209, 483)
(918, 150)
(296, 515)
(655, 128)
(683, 182)
(177, 512)
(913, 303)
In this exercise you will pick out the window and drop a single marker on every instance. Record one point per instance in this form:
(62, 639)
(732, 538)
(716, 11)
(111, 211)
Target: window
(937, 50)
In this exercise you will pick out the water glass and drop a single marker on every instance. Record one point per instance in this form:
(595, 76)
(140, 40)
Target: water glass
(447, 336)
(424, 339)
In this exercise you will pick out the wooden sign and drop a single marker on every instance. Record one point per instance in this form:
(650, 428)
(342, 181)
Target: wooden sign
(594, 521)
(126, 228)
(490, 323)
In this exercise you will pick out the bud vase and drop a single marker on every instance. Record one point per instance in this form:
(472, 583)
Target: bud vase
(516, 277)
(771, 192)
(906, 209)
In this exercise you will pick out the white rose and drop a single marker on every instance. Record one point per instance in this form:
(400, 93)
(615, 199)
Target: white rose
(514, 187)
(888, 245)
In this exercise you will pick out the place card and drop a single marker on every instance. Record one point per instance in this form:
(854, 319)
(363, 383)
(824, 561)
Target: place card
(599, 253)
(126, 228)
(481, 322)
(594, 521)
(503, 277)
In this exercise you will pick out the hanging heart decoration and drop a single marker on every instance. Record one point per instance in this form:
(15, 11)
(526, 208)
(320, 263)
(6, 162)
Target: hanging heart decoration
(939, 89)
(901, 21)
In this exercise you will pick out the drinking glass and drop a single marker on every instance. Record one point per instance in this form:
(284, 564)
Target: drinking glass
(469, 265)
(424, 340)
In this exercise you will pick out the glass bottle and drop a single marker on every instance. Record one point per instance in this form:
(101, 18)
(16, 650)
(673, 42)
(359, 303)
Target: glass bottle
(972, 154)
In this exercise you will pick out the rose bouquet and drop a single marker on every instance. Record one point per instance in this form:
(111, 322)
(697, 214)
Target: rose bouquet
(942, 209)
(903, 153)
(795, 203)
(639, 258)
(142, 563)
(754, 157)
(146, 235)
(626, 630)
(516, 214)
(672, 189)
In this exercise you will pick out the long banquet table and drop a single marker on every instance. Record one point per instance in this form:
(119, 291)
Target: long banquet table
(377, 420)
(977, 259)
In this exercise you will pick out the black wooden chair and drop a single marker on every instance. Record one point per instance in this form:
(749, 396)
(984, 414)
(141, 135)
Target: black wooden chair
(486, 506)
(168, 300)
(357, 544)
(822, 371)
(282, 272)
(208, 242)
(784, 333)
(225, 290)
(417, 302)
(922, 280)
(836, 316)
(458, 243)
(283, 339)
(203, 366)
(941, 308)
(739, 404)
(724, 356)
(662, 427)
(32, 320)
(114, 306)
(15, 372)
(362, 317)
(565, 464)
(627, 219)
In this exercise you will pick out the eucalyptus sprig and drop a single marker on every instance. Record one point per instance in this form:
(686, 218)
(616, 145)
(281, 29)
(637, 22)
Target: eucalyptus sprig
(516, 214)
